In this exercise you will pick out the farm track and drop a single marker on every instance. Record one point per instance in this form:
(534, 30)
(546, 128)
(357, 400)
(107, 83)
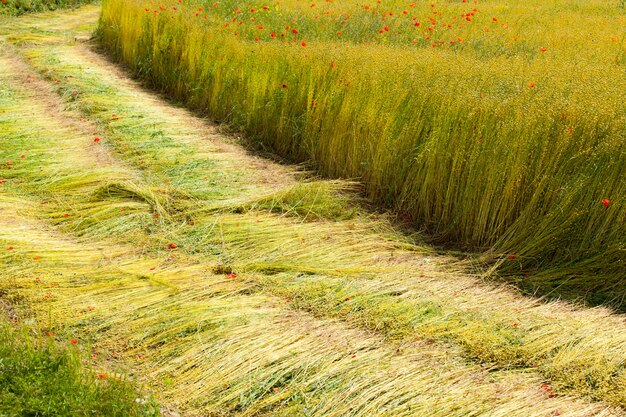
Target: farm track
(328, 315)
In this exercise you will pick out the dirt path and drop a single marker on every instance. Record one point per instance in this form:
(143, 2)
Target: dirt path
(231, 287)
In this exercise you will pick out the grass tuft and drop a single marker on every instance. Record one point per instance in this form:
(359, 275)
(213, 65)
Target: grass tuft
(40, 376)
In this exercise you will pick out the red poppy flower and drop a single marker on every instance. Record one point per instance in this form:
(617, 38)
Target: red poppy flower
(73, 341)
(606, 202)
(96, 140)
(10, 248)
(172, 245)
(546, 387)
(512, 257)
(102, 376)
(232, 275)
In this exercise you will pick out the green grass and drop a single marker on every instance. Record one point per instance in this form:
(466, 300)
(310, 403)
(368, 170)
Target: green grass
(18, 7)
(454, 138)
(44, 376)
